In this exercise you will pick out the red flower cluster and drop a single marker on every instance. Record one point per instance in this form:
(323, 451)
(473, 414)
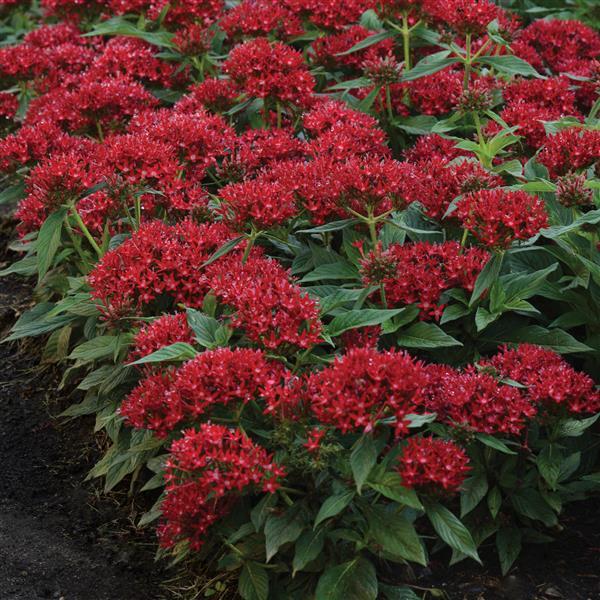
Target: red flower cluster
(476, 402)
(206, 470)
(570, 150)
(463, 16)
(364, 386)
(260, 18)
(429, 464)
(420, 273)
(158, 262)
(551, 381)
(164, 331)
(271, 71)
(497, 218)
(269, 307)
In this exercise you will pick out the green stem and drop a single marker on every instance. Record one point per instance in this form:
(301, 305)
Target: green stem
(465, 235)
(86, 232)
(251, 239)
(467, 61)
(99, 130)
(388, 102)
(279, 115)
(138, 211)
(406, 41)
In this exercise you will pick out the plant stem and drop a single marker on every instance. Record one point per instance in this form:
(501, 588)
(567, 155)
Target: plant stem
(467, 61)
(388, 102)
(99, 130)
(406, 40)
(251, 239)
(465, 235)
(279, 116)
(86, 232)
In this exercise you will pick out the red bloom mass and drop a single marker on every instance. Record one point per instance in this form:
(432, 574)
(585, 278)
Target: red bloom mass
(364, 386)
(497, 217)
(429, 464)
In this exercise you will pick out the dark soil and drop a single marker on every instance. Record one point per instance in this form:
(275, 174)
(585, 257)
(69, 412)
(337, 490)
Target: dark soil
(59, 537)
(567, 569)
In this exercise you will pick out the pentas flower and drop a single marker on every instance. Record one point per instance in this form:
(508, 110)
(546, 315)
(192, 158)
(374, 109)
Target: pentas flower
(206, 471)
(551, 381)
(570, 150)
(497, 217)
(436, 94)
(360, 337)
(9, 104)
(108, 104)
(326, 113)
(268, 305)
(433, 147)
(553, 93)
(193, 39)
(184, 12)
(435, 183)
(463, 16)
(158, 262)
(216, 95)
(429, 464)
(154, 404)
(254, 18)
(32, 143)
(258, 149)
(199, 138)
(420, 273)
(476, 402)
(328, 48)
(70, 9)
(164, 331)
(272, 71)
(331, 14)
(263, 202)
(571, 191)
(61, 179)
(132, 58)
(553, 43)
(364, 386)
(225, 376)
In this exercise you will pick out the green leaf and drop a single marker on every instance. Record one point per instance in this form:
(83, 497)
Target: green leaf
(98, 347)
(368, 42)
(556, 339)
(352, 580)
(510, 64)
(473, 492)
(429, 65)
(308, 547)
(483, 318)
(530, 503)
(338, 270)
(223, 250)
(333, 506)
(400, 592)
(282, 529)
(489, 274)
(453, 312)
(12, 193)
(120, 26)
(425, 336)
(259, 513)
(367, 102)
(179, 351)
(254, 582)
(360, 318)
(49, 240)
(338, 298)
(395, 534)
(494, 501)
(508, 544)
(204, 327)
(589, 218)
(575, 427)
(548, 463)
(332, 226)
(390, 486)
(451, 530)
(36, 322)
(363, 459)
(494, 443)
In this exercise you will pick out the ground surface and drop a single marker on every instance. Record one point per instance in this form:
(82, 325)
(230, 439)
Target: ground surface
(60, 538)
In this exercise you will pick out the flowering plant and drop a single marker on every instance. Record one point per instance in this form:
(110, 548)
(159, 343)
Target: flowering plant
(328, 274)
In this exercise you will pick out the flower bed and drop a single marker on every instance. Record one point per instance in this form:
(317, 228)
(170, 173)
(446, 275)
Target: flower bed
(328, 274)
